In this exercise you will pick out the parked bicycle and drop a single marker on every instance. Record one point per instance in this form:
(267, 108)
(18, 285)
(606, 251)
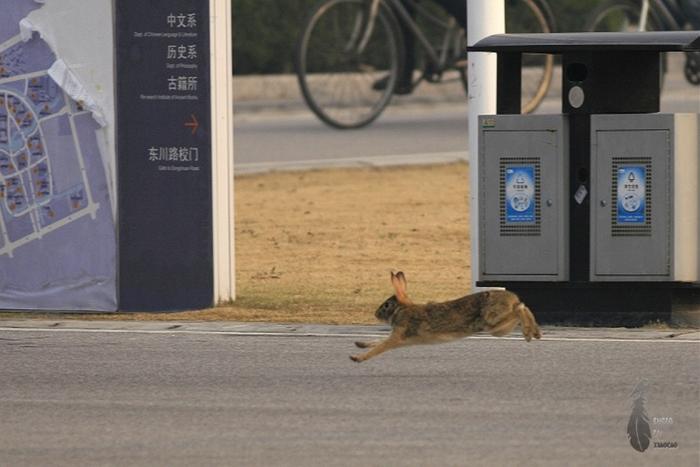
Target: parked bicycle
(350, 54)
(645, 15)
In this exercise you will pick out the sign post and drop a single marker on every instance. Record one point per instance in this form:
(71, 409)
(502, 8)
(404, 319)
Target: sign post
(116, 155)
(164, 155)
(222, 150)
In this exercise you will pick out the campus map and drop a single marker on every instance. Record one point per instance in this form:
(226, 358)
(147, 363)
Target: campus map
(50, 166)
(37, 127)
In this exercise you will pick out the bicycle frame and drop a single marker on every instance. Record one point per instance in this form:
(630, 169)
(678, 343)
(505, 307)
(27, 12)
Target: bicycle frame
(664, 11)
(396, 6)
(670, 16)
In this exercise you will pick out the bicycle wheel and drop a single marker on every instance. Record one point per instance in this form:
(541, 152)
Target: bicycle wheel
(339, 82)
(623, 16)
(620, 16)
(527, 16)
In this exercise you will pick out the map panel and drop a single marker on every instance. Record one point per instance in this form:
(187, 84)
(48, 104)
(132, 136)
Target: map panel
(10, 17)
(57, 235)
(23, 58)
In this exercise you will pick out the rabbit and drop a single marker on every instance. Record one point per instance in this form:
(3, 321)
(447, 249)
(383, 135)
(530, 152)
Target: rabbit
(494, 311)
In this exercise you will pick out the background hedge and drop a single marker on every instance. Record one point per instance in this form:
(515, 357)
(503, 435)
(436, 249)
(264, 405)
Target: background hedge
(265, 31)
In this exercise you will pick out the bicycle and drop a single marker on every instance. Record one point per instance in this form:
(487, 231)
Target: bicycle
(645, 15)
(347, 46)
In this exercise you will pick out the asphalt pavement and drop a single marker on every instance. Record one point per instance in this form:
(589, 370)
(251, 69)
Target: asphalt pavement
(120, 393)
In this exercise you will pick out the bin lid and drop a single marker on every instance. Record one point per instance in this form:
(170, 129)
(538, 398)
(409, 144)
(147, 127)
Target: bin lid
(653, 41)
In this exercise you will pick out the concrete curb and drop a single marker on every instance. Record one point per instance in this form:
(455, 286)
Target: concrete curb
(354, 162)
(320, 330)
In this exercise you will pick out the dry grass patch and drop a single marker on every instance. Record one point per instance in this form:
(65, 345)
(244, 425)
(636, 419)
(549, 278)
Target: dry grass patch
(322, 243)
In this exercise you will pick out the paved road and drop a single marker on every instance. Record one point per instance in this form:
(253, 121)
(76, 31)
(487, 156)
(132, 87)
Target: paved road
(403, 134)
(279, 140)
(150, 395)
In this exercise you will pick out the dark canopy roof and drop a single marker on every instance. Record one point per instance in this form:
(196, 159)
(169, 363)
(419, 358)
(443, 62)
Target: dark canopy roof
(660, 41)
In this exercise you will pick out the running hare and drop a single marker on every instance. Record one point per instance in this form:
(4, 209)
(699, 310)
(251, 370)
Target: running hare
(495, 311)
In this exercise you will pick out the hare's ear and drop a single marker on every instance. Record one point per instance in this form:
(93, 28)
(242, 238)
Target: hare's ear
(398, 280)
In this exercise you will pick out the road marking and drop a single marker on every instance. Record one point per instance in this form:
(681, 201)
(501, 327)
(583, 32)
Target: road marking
(320, 334)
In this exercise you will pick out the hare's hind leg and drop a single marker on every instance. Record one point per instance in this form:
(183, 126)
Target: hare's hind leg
(499, 313)
(505, 326)
(495, 313)
(527, 322)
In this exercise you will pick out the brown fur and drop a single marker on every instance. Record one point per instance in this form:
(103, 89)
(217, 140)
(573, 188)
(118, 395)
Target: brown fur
(496, 311)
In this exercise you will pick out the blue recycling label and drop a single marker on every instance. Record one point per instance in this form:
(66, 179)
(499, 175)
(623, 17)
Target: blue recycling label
(631, 186)
(520, 194)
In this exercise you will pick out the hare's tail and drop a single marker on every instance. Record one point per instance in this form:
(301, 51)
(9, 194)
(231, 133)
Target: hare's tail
(527, 322)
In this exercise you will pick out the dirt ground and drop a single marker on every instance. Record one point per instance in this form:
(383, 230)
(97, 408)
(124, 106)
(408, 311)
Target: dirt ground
(318, 246)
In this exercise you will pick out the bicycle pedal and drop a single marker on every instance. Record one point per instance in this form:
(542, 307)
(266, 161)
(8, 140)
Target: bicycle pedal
(403, 89)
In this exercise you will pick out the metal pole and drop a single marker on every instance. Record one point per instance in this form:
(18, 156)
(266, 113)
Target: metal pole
(484, 18)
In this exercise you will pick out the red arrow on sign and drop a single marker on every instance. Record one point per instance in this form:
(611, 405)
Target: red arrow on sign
(194, 124)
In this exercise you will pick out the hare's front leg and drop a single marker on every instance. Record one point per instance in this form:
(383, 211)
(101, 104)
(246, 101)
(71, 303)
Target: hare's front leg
(366, 344)
(390, 343)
